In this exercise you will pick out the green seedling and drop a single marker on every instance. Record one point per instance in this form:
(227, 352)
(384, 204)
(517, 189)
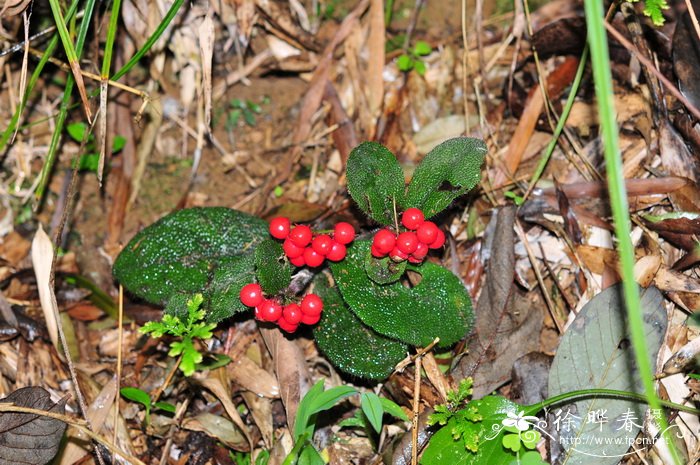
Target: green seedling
(413, 59)
(244, 458)
(138, 395)
(239, 108)
(90, 160)
(187, 331)
(370, 416)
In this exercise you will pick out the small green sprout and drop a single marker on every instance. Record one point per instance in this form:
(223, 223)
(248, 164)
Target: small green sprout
(90, 160)
(193, 328)
(140, 396)
(413, 59)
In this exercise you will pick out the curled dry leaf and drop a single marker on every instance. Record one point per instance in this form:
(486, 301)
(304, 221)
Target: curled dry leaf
(249, 375)
(27, 438)
(219, 428)
(42, 259)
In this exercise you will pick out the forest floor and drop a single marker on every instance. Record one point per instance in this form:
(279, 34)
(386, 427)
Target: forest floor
(294, 87)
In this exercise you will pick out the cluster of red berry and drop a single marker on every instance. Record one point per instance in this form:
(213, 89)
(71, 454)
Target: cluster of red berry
(302, 247)
(289, 316)
(411, 245)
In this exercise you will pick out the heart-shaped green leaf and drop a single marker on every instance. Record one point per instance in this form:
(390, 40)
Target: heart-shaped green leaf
(375, 181)
(193, 250)
(448, 171)
(350, 345)
(439, 306)
(272, 270)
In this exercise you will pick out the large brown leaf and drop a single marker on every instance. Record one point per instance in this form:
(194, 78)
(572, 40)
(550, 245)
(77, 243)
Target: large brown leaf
(26, 438)
(507, 323)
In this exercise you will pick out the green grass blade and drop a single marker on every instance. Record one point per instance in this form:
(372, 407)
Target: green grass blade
(602, 76)
(63, 112)
(50, 49)
(151, 40)
(561, 123)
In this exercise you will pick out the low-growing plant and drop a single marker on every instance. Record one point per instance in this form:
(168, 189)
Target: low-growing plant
(89, 161)
(186, 330)
(413, 58)
(317, 400)
(140, 396)
(370, 312)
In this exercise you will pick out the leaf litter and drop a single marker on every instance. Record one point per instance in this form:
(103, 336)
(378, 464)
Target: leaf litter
(324, 81)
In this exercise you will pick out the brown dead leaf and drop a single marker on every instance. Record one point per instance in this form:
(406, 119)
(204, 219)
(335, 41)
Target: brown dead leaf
(291, 370)
(261, 410)
(14, 248)
(219, 428)
(42, 259)
(206, 53)
(508, 324)
(246, 373)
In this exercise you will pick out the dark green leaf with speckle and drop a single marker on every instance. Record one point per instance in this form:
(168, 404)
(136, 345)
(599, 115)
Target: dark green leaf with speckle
(448, 171)
(350, 345)
(182, 253)
(272, 270)
(375, 181)
(384, 270)
(439, 306)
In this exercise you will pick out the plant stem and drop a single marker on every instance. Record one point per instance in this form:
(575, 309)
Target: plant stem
(588, 393)
(602, 75)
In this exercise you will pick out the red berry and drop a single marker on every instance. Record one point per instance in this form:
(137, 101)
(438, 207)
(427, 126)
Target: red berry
(298, 261)
(397, 255)
(412, 218)
(287, 326)
(257, 313)
(301, 235)
(384, 241)
(337, 253)
(310, 319)
(291, 250)
(313, 258)
(344, 233)
(311, 304)
(414, 260)
(421, 251)
(427, 232)
(251, 295)
(322, 244)
(270, 310)
(292, 314)
(439, 240)
(376, 253)
(407, 242)
(279, 227)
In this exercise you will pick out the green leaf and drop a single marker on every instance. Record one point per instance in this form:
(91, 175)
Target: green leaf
(206, 250)
(263, 458)
(393, 409)
(118, 143)
(464, 442)
(373, 409)
(136, 395)
(420, 67)
(439, 306)
(317, 400)
(375, 181)
(512, 442)
(89, 162)
(405, 63)
(249, 117)
(271, 269)
(310, 456)
(528, 458)
(165, 406)
(76, 131)
(349, 344)
(448, 171)
(359, 420)
(219, 361)
(422, 48)
(384, 270)
(595, 353)
(190, 356)
(652, 8)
